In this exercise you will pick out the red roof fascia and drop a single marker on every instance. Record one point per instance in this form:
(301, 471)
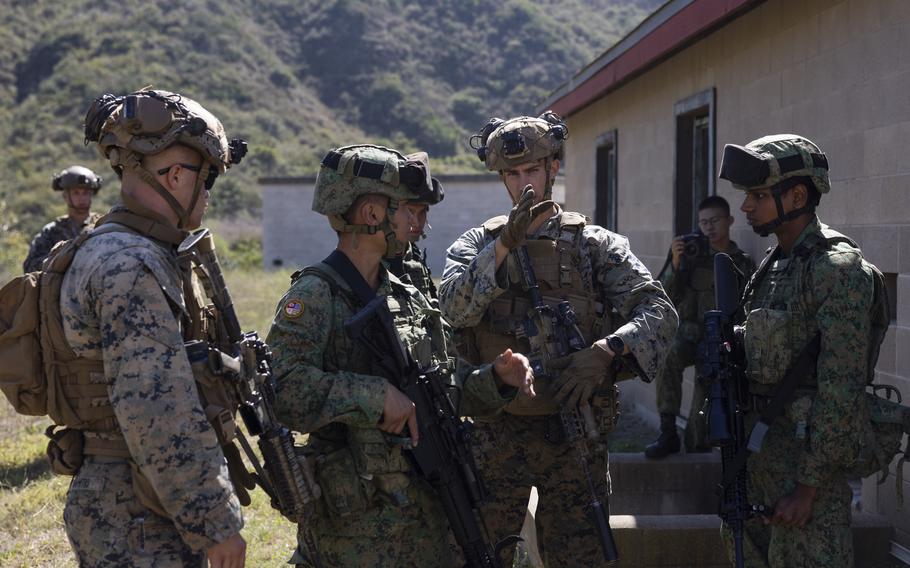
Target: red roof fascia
(688, 24)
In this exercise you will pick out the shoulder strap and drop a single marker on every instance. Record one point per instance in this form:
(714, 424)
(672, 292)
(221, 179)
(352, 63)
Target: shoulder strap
(144, 226)
(341, 264)
(759, 275)
(494, 225)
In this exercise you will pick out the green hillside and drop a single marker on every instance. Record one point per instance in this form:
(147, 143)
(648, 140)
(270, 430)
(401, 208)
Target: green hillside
(293, 77)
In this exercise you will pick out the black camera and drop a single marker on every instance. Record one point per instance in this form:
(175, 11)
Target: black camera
(695, 244)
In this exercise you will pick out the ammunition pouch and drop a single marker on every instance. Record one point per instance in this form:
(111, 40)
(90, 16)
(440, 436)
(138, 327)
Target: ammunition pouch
(344, 491)
(65, 450)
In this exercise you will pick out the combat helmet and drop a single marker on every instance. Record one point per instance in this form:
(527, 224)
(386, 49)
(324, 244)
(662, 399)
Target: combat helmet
(503, 144)
(76, 176)
(147, 122)
(778, 162)
(349, 172)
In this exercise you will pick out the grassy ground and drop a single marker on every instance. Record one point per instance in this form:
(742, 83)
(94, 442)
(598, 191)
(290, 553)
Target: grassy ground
(32, 498)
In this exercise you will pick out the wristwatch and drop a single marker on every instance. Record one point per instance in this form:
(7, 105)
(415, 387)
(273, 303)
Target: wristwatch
(616, 345)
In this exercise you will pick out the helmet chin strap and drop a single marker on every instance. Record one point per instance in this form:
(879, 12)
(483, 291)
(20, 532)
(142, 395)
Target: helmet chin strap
(393, 247)
(132, 161)
(778, 191)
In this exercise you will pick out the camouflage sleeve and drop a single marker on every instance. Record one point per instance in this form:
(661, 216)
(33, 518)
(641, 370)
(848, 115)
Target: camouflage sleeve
(154, 397)
(39, 249)
(469, 280)
(843, 291)
(307, 396)
(480, 394)
(627, 285)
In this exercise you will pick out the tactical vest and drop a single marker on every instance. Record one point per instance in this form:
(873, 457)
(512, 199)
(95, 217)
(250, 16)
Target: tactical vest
(558, 268)
(358, 467)
(76, 386)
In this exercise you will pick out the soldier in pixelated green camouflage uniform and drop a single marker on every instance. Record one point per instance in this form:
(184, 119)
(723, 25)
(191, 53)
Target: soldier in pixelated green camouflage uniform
(411, 267)
(814, 283)
(688, 278)
(376, 510)
(78, 185)
(154, 488)
(482, 295)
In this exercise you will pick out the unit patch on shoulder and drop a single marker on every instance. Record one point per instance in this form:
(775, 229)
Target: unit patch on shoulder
(293, 309)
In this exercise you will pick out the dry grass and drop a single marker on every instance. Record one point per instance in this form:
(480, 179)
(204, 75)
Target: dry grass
(32, 498)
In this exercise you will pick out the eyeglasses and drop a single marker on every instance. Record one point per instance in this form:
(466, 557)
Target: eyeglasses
(209, 181)
(710, 222)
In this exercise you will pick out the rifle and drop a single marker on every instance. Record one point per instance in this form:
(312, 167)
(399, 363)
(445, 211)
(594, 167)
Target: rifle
(723, 368)
(443, 455)
(247, 367)
(552, 332)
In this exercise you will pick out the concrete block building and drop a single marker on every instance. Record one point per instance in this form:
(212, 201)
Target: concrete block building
(649, 117)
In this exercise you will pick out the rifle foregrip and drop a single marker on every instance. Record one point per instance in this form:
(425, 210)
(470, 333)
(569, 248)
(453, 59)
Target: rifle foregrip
(295, 495)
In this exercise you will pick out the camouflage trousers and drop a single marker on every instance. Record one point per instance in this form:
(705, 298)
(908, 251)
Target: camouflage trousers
(383, 533)
(683, 353)
(826, 540)
(513, 453)
(107, 526)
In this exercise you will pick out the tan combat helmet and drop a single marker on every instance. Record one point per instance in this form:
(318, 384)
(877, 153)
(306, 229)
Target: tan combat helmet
(146, 122)
(76, 176)
(352, 171)
(777, 162)
(503, 144)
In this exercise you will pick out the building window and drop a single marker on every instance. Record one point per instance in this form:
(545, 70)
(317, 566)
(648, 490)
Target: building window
(694, 175)
(605, 208)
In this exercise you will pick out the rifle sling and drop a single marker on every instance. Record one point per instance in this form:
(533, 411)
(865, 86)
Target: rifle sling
(782, 396)
(341, 264)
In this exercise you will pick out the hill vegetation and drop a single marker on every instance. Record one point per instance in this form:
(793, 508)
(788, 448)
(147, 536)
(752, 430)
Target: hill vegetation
(293, 77)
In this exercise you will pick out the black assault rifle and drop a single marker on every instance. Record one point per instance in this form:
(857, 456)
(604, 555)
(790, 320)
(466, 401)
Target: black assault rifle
(552, 332)
(443, 455)
(247, 368)
(722, 369)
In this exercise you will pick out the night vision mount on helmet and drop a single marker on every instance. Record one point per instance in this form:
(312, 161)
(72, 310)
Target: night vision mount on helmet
(147, 122)
(76, 176)
(777, 162)
(503, 144)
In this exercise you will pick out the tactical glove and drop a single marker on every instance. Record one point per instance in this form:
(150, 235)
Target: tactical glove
(579, 375)
(520, 218)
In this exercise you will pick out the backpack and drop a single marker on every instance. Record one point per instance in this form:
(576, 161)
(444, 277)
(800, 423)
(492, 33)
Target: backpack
(29, 310)
(885, 420)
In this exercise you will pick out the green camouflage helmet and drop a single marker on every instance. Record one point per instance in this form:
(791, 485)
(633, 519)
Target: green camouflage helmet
(771, 160)
(506, 144)
(76, 176)
(351, 171)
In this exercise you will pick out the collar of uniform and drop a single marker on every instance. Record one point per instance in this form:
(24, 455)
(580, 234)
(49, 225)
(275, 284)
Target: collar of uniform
(807, 237)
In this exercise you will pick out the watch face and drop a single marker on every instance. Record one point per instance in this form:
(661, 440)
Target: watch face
(616, 345)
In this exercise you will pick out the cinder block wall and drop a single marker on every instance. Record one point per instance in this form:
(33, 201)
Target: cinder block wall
(295, 235)
(837, 72)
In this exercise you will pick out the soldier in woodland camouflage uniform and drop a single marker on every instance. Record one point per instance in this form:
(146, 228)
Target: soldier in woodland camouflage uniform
(814, 283)
(481, 293)
(154, 488)
(689, 281)
(78, 184)
(376, 510)
(412, 267)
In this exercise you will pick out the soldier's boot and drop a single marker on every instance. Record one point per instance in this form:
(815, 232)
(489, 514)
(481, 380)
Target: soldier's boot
(668, 441)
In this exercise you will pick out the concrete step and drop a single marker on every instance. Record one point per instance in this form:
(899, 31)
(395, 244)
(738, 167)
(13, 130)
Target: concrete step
(682, 541)
(681, 484)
